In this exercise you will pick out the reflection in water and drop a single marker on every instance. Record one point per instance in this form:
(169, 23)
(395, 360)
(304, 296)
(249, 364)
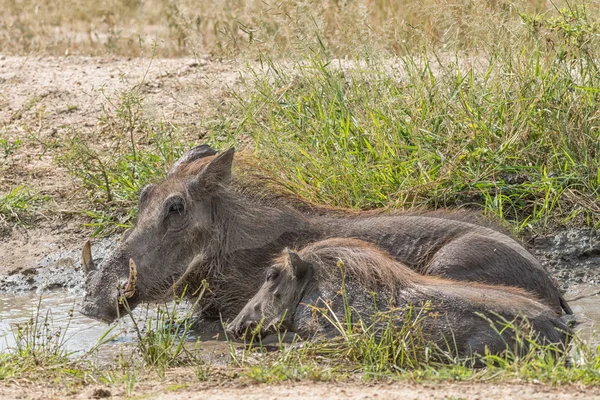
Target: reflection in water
(82, 334)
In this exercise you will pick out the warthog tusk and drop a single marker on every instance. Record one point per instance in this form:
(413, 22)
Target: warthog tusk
(132, 281)
(87, 262)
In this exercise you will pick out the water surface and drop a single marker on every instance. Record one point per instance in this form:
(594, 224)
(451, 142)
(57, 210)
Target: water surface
(58, 310)
(56, 313)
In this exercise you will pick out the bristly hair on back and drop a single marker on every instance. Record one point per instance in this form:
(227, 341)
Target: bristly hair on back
(373, 267)
(256, 183)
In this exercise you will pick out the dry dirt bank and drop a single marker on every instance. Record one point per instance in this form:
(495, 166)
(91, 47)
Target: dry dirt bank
(317, 391)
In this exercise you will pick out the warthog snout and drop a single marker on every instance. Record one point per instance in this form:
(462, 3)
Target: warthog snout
(99, 313)
(242, 327)
(111, 295)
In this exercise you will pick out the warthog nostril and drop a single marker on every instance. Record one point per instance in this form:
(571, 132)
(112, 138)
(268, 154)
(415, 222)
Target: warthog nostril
(243, 329)
(251, 325)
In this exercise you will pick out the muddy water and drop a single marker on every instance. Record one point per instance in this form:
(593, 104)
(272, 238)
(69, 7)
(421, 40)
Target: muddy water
(56, 313)
(585, 302)
(52, 289)
(81, 334)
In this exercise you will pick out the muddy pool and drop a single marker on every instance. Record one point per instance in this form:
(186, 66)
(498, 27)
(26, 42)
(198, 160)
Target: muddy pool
(58, 310)
(54, 314)
(51, 290)
(46, 297)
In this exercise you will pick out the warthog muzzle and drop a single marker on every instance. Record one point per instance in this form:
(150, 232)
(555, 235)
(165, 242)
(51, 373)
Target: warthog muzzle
(104, 314)
(107, 299)
(241, 327)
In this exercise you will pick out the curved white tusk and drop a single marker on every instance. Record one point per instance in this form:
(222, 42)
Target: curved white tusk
(87, 262)
(132, 281)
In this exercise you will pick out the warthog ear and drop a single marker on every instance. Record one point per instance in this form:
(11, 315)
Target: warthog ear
(144, 195)
(196, 153)
(218, 171)
(299, 267)
(87, 262)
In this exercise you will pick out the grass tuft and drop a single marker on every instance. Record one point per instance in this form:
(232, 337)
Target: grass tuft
(384, 348)
(163, 342)
(39, 352)
(397, 343)
(21, 205)
(114, 171)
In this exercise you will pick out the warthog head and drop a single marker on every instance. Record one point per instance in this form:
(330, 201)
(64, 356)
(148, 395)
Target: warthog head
(274, 304)
(171, 235)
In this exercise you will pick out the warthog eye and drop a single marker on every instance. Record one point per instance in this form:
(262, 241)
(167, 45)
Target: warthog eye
(174, 212)
(272, 275)
(176, 208)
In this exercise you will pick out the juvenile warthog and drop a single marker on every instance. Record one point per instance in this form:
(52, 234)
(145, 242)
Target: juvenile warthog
(199, 224)
(451, 312)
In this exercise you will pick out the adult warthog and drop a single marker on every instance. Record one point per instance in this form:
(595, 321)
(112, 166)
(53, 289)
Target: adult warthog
(465, 318)
(198, 224)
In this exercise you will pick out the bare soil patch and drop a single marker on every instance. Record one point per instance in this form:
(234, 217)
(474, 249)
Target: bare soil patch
(176, 386)
(387, 391)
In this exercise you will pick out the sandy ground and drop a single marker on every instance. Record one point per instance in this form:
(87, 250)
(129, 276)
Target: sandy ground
(318, 391)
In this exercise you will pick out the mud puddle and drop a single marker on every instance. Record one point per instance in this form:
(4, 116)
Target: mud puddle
(54, 314)
(45, 297)
(585, 301)
(53, 320)
(51, 315)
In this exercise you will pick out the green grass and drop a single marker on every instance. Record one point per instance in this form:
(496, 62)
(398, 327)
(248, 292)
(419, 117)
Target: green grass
(114, 179)
(385, 347)
(398, 353)
(113, 172)
(510, 130)
(374, 350)
(162, 344)
(22, 205)
(40, 353)
(8, 146)
(395, 344)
